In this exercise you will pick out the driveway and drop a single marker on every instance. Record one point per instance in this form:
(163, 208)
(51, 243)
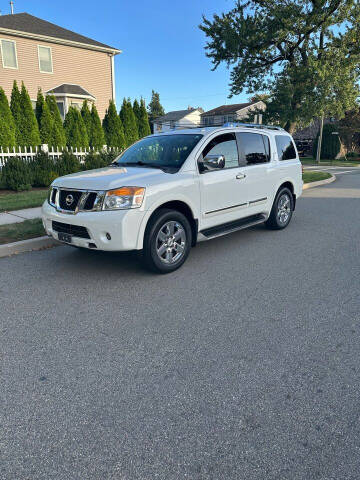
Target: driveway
(244, 364)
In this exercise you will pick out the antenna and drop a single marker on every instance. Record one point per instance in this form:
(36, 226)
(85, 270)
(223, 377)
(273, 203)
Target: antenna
(12, 7)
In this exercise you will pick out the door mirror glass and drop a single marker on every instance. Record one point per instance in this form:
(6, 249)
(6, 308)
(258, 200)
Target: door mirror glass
(213, 162)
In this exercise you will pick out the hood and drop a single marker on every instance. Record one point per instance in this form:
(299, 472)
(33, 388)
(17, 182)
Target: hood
(112, 177)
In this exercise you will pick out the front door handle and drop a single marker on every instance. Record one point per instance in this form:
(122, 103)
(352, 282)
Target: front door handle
(240, 176)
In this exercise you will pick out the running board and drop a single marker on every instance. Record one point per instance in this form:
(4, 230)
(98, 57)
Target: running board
(230, 227)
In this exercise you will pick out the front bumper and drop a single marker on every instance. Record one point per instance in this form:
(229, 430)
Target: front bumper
(123, 226)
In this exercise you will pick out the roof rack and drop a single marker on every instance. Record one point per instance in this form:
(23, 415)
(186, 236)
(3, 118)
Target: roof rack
(251, 125)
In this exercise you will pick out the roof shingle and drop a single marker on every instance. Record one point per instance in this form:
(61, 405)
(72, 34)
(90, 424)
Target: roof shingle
(70, 89)
(24, 22)
(227, 109)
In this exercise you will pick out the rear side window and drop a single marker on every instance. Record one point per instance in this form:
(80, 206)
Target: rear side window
(285, 147)
(254, 148)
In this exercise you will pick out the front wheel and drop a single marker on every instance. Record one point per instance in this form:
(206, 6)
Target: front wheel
(167, 241)
(281, 211)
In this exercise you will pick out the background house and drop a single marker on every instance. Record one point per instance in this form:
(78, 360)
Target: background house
(232, 113)
(178, 119)
(57, 60)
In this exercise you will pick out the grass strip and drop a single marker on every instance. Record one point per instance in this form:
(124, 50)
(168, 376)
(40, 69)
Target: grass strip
(314, 176)
(17, 200)
(21, 231)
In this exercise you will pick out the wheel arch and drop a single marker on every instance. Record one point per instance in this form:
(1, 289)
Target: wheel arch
(180, 206)
(288, 184)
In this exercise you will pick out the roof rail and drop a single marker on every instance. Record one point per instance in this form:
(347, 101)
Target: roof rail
(252, 125)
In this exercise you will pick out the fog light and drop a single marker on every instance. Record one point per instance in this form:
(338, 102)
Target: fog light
(108, 236)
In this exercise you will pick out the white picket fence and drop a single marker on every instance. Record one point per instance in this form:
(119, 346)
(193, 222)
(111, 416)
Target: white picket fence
(29, 153)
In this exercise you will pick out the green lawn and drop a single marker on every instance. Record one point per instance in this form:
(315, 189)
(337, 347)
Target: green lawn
(18, 200)
(315, 176)
(21, 231)
(334, 163)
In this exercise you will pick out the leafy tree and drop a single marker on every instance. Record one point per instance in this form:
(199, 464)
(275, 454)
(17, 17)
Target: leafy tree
(75, 130)
(304, 53)
(330, 144)
(46, 125)
(15, 107)
(113, 128)
(144, 126)
(97, 138)
(7, 124)
(129, 122)
(86, 116)
(349, 129)
(155, 109)
(58, 132)
(39, 106)
(28, 126)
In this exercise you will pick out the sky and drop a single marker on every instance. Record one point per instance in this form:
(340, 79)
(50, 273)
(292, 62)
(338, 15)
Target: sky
(163, 48)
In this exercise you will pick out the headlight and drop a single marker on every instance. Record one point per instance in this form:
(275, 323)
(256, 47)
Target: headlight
(124, 197)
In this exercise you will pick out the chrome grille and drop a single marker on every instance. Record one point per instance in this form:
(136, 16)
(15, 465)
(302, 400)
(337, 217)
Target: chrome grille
(73, 201)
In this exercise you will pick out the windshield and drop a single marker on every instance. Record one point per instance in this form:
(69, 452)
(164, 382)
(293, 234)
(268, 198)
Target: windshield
(163, 151)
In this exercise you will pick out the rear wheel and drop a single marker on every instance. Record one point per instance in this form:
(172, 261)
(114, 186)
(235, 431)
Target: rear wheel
(282, 210)
(167, 241)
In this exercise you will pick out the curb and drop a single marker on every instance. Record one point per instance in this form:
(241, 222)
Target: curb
(319, 183)
(37, 243)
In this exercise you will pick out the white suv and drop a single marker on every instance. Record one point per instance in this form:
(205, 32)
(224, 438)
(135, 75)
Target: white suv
(168, 191)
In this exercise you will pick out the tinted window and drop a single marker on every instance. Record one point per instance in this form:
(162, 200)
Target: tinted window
(285, 147)
(224, 145)
(254, 148)
(163, 151)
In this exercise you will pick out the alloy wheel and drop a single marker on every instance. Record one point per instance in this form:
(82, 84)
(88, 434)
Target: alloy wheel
(284, 208)
(170, 242)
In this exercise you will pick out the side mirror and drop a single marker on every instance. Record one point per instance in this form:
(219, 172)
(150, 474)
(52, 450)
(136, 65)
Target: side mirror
(213, 162)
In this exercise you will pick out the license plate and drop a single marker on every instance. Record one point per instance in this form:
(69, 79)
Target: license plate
(65, 237)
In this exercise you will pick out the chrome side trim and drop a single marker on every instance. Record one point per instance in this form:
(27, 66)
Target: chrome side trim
(260, 200)
(226, 208)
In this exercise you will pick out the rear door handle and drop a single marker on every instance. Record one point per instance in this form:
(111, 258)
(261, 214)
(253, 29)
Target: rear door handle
(240, 176)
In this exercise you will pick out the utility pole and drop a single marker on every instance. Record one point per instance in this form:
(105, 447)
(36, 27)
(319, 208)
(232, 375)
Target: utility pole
(318, 153)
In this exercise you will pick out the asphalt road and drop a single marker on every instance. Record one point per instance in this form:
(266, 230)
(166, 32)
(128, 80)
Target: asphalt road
(244, 364)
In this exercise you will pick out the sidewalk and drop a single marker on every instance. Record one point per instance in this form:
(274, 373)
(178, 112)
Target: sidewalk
(18, 216)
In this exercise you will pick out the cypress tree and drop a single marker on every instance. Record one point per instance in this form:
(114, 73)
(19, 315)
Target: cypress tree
(137, 112)
(15, 107)
(129, 123)
(97, 138)
(39, 106)
(144, 125)
(75, 130)
(46, 125)
(113, 128)
(7, 124)
(58, 133)
(28, 126)
(155, 108)
(86, 116)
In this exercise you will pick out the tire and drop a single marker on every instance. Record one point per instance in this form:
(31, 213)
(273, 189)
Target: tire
(281, 211)
(167, 241)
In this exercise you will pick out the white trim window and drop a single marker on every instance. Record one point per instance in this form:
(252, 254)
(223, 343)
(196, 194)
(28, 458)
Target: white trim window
(45, 59)
(9, 54)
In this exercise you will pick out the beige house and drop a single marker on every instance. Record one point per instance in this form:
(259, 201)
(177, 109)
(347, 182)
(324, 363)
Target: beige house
(57, 60)
(191, 117)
